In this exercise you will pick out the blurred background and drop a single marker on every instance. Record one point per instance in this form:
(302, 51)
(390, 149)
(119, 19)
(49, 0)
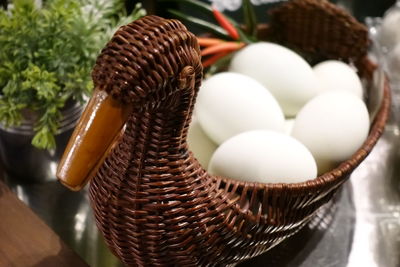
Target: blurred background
(361, 227)
(360, 8)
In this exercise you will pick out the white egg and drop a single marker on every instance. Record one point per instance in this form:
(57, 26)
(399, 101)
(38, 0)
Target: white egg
(263, 156)
(335, 75)
(232, 103)
(199, 143)
(288, 126)
(287, 75)
(333, 126)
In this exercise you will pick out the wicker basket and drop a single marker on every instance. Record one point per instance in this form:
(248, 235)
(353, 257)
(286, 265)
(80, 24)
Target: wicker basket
(153, 202)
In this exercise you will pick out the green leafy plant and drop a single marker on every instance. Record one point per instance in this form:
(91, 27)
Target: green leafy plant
(46, 56)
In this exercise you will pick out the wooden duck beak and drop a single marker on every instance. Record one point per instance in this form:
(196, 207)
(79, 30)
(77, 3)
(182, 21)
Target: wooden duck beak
(92, 139)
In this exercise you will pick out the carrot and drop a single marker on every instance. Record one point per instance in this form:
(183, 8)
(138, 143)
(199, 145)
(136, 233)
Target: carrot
(206, 41)
(226, 24)
(211, 60)
(222, 47)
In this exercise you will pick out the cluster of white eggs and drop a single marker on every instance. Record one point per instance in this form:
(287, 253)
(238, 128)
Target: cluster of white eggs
(273, 118)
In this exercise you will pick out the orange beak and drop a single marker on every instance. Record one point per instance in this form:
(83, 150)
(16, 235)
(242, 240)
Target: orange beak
(97, 131)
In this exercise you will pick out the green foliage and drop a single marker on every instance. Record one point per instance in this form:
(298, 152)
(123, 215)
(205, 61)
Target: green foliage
(47, 54)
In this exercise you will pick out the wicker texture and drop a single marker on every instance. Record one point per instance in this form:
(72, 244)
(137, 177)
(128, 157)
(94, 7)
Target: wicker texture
(153, 202)
(320, 28)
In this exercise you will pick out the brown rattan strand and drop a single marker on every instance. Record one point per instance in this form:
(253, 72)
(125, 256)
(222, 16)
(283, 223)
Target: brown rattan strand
(320, 28)
(153, 202)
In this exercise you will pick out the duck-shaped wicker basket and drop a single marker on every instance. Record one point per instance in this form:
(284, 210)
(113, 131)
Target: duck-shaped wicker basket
(153, 202)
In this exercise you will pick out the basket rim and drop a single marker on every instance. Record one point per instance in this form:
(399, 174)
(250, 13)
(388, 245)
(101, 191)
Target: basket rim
(338, 174)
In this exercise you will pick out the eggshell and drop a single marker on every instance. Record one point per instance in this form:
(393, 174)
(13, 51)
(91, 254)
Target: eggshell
(287, 75)
(232, 103)
(199, 143)
(333, 126)
(263, 156)
(336, 75)
(288, 126)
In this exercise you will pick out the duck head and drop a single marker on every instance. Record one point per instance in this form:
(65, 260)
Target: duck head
(144, 63)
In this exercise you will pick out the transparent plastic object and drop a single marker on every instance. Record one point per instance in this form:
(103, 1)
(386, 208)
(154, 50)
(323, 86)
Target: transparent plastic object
(385, 35)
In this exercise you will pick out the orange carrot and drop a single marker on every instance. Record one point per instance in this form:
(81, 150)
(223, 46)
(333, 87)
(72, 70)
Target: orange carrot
(222, 47)
(226, 24)
(211, 60)
(206, 41)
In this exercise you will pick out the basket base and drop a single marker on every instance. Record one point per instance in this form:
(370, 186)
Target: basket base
(329, 224)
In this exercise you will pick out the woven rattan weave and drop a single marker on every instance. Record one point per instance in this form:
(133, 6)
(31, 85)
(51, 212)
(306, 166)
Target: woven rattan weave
(153, 202)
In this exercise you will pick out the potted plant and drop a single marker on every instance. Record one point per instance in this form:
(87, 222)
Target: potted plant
(46, 55)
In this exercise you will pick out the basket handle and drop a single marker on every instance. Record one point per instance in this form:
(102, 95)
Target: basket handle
(320, 28)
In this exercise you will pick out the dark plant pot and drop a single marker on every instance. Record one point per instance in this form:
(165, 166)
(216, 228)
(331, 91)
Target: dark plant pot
(24, 163)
